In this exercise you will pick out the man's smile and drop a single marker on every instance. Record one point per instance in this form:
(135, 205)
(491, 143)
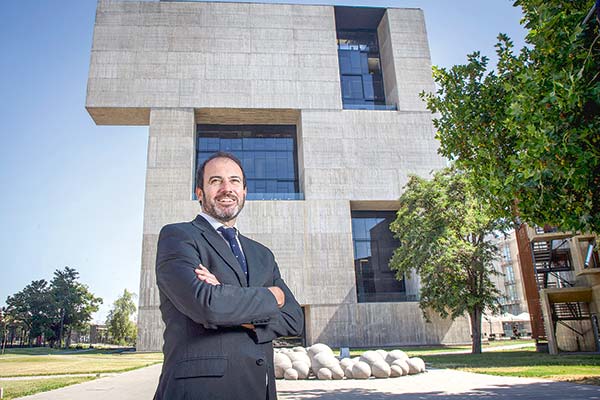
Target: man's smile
(226, 201)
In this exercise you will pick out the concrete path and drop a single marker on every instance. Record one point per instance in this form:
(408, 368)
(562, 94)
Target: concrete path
(132, 385)
(436, 384)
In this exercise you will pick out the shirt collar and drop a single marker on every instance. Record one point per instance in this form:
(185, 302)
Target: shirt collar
(215, 223)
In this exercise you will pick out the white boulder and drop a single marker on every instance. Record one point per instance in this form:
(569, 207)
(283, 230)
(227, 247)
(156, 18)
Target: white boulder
(361, 370)
(337, 372)
(395, 355)
(381, 369)
(290, 374)
(282, 363)
(399, 368)
(415, 365)
(324, 374)
(318, 348)
(298, 356)
(382, 353)
(370, 357)
(326, 360)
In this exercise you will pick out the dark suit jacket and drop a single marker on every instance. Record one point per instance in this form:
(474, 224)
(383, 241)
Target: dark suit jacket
(208, 355)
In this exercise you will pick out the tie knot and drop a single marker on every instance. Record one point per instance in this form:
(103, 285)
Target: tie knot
(228, 233)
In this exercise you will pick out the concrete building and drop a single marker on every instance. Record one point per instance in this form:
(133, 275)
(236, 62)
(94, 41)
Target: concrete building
(322, 105)
(514, 310)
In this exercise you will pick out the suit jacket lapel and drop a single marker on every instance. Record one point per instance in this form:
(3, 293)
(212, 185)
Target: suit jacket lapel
(221, 247)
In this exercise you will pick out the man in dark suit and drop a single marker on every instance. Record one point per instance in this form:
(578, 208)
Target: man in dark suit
(222, 298)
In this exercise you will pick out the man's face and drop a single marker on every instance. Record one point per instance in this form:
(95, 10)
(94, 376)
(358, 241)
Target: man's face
(224, 193)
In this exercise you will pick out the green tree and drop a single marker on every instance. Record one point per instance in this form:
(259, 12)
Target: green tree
(32, 308)
(443, 230)
(5, 323)
(73, 304)
(119, 322)
(528, 132)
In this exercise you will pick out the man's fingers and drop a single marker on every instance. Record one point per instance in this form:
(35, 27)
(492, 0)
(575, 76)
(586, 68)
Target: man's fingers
(205, 275)
(279, 295)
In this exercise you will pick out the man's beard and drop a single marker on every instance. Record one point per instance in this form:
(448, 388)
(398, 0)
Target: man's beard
(223, 215)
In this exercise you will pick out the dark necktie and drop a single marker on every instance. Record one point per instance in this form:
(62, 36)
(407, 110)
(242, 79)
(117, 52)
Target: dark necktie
(229, 235)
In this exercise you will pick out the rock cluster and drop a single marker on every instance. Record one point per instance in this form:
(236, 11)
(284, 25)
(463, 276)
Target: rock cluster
(319, 361)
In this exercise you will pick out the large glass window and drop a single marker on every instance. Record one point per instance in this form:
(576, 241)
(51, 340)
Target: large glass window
(267, 152)
(360, 69)
(511, 293)
(506, 254)
(509, 274)
(374, 245)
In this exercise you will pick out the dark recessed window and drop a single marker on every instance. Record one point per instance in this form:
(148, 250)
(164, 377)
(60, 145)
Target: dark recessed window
(361, 75)
(267, 152)
(360, 69)
(374, 245)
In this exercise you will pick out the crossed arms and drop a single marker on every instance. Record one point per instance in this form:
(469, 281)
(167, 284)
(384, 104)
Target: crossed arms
(270, 311)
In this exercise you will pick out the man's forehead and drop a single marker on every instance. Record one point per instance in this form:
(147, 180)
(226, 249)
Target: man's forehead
(222, 163)
(222, 167)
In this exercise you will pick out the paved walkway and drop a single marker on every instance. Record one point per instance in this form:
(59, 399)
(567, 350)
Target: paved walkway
(436, 384)
(133, 385)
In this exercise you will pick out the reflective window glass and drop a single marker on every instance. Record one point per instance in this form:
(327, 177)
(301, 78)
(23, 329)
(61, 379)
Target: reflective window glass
(267, 153)
(374, 245)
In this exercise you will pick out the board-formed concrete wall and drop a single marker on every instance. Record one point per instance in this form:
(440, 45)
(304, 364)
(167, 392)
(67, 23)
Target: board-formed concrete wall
(382, 324)
(173, 65)
(194, 54)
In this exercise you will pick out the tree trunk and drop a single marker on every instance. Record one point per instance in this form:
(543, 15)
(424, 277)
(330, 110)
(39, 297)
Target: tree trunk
(60, 331)
(4, 340)
(68, 340)
(475, 316)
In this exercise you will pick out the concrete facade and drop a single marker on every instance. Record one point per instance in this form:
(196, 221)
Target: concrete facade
(173, 65)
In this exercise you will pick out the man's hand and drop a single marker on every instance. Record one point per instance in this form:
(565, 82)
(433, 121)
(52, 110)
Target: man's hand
(206, 276)
(279, 295)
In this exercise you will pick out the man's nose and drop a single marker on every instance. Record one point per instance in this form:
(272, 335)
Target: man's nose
(226, 186)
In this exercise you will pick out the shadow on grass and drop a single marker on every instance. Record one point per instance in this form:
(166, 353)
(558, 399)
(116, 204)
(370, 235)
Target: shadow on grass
(531, 391)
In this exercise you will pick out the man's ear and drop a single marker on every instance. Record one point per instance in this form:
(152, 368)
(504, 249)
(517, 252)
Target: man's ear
(199, 194)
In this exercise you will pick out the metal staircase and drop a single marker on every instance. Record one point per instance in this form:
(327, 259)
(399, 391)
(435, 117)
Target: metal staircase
(552, 263)
(554, 270)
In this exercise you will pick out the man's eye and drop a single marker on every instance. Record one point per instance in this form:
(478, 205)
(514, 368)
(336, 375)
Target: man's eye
(214, 181)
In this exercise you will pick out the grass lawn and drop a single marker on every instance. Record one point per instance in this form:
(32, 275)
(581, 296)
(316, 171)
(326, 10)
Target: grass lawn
(524, 363)
(20, 388)
(44, 361)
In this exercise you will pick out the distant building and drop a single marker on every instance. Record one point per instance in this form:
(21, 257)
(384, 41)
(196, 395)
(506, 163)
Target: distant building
(98, 333)
(321, 104)
(510, 284)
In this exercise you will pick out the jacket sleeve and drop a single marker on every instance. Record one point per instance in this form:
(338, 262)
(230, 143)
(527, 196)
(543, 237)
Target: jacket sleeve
(289, 321)
(212, 306)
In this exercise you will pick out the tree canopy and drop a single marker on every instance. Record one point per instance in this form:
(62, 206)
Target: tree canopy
(119, 321)
(74, 303)
(443, 229)
(52, 310)
(32, 307)
(528, 132)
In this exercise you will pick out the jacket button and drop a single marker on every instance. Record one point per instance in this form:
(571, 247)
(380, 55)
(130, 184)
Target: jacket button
(260, 362)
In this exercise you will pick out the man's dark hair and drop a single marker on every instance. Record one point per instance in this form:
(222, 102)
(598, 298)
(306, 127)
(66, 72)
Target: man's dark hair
(220, 154)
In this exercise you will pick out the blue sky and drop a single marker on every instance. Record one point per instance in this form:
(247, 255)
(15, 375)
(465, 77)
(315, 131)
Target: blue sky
(73, 192)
